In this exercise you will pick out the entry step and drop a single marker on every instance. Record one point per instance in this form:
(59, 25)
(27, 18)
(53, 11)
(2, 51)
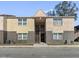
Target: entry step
(40, 45)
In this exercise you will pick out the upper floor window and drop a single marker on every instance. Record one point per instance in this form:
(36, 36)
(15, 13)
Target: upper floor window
(22, 21)
(57, 36)
(57, 21)
(22, 36)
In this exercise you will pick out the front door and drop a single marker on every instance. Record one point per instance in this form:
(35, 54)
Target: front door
(43, 37)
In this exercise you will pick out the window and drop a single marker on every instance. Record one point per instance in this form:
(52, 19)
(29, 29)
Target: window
(57, 21)
(57, 36)
(19, 36)
(19, 21)
(22, 21)
(25, 36)
(54, 35)
(22, 36)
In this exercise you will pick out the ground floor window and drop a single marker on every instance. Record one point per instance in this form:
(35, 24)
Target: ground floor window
(57, 36)
(22, 36)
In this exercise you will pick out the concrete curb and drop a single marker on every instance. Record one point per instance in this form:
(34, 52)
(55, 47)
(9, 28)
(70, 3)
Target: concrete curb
(25, 46)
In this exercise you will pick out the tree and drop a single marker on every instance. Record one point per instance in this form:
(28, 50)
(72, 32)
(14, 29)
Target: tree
(51, 13)
(66, 8)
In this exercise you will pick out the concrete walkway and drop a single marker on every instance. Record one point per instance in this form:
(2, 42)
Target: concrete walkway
(24, 46)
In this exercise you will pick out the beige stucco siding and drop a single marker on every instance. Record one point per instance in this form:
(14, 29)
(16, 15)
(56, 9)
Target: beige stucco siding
(29, 26)
(1, 22)
(12, 24)
(68, 25)
(51, 27)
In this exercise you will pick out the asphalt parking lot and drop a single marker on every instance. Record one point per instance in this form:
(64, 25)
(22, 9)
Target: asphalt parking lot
(40, 52)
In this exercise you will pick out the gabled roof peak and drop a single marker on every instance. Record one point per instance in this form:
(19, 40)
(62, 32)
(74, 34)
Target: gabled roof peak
(40, 13)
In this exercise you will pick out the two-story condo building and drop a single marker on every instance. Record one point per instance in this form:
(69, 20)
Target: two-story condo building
(36, 29)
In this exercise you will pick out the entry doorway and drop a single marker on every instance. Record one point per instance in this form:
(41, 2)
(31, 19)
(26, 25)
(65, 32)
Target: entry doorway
(43, 37)
(40, 30)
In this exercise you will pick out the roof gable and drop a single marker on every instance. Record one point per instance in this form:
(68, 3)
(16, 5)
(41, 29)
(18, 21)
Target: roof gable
(40, 13)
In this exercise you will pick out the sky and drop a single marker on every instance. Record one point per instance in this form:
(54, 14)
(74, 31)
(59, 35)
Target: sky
(29, 8)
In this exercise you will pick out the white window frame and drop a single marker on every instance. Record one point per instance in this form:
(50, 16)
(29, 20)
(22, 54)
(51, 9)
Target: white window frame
(23, 22)
(22, 36)
(19, 21)
(25, 37)
(19, 36)
(57, 21)
(56, 36)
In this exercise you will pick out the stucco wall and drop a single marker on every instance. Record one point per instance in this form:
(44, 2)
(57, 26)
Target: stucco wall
(12, 25)
(1, 22)
(68, 25)
(29, 26)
